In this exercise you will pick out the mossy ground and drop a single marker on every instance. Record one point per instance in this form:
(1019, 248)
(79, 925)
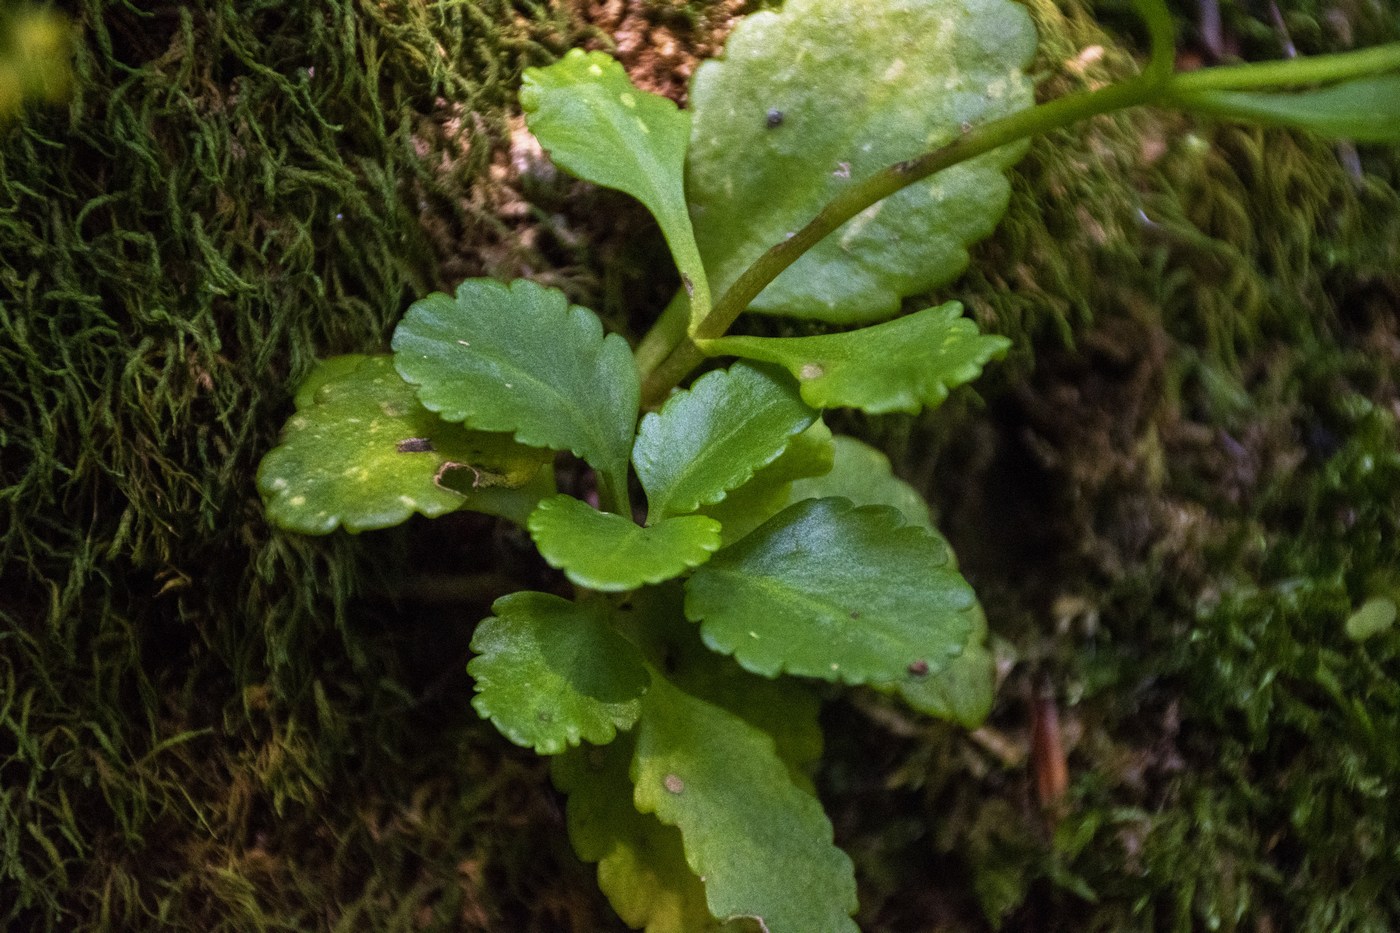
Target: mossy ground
(208, 726)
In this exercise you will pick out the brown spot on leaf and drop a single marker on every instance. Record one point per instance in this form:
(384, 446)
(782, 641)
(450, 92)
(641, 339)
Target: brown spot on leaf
(673, 783)
(414, 445)
(918, 668)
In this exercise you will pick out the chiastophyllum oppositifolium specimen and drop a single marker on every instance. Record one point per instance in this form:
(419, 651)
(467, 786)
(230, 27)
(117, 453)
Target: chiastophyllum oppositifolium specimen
(672, 691)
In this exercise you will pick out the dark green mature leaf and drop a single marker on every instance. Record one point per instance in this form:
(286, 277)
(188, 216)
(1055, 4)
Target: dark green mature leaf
(826, 589)
(1363, 109)
(520, 359)
(597, 125)
(742, 510)
(362, 453)
(608, 552)
(711, 438)
(762, 845)
(962, 691)
(551, 673)
(789, 118)
(903, 365)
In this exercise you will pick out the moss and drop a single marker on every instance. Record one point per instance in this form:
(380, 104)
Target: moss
(204, 725)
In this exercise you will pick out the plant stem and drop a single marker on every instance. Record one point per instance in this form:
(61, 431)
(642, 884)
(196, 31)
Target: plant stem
(664, 335)
(1017, 126)
(1294, 72)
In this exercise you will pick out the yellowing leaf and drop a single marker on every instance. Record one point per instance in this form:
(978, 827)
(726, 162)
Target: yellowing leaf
(641, 864)
(362, 453)
(762, 845)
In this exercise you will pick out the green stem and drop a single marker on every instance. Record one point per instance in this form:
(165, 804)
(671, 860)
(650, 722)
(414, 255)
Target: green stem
(1294, 72)
(665, 334)
(613, 495)
(882, 184)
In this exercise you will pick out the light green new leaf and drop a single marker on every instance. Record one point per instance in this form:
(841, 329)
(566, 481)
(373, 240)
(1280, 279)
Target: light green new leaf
(608, 552)
(520, 359)
(362, 453)
(641, 864)
(711, 438)
(742, 510)
(903, 365)
(1363, 109)
(762, 845)
(826, 589)
(597, 125)
(962, 691)
(551, 673)
(791, 116)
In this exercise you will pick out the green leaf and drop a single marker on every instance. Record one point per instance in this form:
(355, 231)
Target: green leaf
(863, 474)
(329, 370)
(641, 864)
(784, 708)
(1375, 616)
(363, 453)
(770, 490)
(608, 552)
(1363, 109)
(520, 359)
(597, 125)
(962, 691)
(762, 845)
(789, 118)
(710, 439)
(551, 673)
(903, 365)
(825, 589)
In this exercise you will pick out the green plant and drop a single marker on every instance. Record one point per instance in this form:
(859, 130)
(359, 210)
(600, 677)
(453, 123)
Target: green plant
(766, 545)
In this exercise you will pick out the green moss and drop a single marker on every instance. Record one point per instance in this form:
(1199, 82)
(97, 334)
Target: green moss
(203, 725)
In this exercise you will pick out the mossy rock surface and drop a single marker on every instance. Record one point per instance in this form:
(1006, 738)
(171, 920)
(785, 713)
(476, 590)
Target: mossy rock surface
(205, 725)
